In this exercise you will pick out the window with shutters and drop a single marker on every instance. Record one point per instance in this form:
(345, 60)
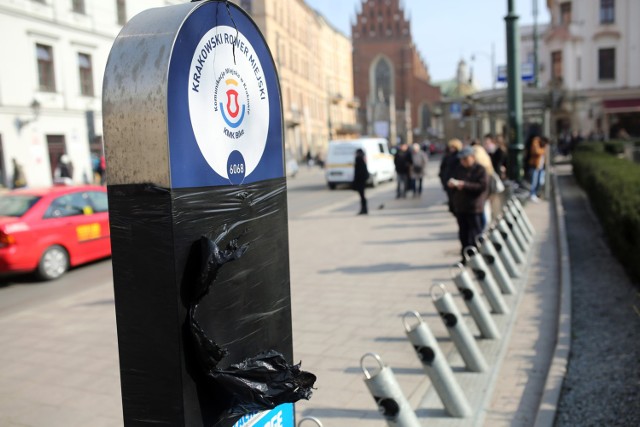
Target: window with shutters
(85, 70)
(46, 76)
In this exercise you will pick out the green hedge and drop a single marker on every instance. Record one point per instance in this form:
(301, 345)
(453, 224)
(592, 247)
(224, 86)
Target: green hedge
(613, 187)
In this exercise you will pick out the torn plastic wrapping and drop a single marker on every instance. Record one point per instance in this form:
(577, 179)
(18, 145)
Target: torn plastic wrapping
(229, 266)
(258, 383)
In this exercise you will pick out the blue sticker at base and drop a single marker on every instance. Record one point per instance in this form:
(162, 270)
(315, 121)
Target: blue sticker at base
(282, 416)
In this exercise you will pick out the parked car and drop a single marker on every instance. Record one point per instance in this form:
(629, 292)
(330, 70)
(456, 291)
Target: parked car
(46, 231)
(341, 155)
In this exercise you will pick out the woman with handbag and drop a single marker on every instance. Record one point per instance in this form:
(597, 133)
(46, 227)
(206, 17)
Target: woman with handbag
(419, 161)
(483, 159)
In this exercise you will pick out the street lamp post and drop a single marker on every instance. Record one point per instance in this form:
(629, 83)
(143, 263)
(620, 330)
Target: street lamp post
(514, 96)
(492, 57)
(35, 109)
(535, 43)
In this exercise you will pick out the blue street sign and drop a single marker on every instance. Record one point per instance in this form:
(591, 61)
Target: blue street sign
(455, 110)
(526, 70)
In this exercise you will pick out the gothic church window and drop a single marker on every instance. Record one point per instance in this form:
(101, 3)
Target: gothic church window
(382, 80)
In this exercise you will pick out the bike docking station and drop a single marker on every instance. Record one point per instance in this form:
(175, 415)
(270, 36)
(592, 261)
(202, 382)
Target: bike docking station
(461, 378)
(197, 202)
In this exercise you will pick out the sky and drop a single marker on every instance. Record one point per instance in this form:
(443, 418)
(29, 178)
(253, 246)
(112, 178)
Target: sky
(446, 31)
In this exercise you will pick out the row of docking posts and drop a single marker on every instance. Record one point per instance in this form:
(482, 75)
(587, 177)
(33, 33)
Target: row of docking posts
(501, 252)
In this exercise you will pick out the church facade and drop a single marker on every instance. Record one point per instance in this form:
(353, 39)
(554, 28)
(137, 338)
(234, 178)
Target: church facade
(391, 80)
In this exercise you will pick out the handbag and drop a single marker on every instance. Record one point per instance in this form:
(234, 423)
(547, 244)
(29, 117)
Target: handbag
(496, 186)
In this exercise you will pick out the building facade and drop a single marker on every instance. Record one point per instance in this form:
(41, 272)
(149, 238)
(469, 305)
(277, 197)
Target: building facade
(314, 65)
(55, 53)
(590, 57)
(391, 78)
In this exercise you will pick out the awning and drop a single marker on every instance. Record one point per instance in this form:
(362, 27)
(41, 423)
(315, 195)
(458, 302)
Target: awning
(621, 105)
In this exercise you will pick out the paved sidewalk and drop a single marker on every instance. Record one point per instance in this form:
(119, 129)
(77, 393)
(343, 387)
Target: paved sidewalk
(352, 278)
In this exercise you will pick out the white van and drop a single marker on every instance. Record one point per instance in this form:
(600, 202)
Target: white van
(341, 156)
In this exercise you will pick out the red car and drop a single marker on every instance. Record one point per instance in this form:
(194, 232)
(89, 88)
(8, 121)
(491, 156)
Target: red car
(46, 231)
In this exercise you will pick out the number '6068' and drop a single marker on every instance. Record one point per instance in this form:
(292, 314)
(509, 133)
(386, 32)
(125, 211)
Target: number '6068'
(236, 169)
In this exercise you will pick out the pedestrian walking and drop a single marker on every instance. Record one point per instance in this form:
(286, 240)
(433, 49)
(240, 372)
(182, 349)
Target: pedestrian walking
(419, 161)
(102, 170)
(64, 171)
(496, 149)
(483, 159)
(469, 184)
(19, 179)
(402, 162)
(360, 178)
(537, 155)
(448, 164)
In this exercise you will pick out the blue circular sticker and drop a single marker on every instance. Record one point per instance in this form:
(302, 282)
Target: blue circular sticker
(224, 105)
(236, 167)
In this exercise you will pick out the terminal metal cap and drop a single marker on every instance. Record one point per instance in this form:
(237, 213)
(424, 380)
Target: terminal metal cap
(435, 294)
(366, 372)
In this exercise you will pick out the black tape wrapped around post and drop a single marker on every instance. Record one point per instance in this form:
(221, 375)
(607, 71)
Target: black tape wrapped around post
(194, 141)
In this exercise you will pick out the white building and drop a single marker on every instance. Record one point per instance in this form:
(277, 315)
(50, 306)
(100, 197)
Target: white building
(590, 60)
(54, 53)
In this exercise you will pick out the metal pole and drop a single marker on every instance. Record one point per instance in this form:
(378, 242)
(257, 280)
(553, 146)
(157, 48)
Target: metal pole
(486, 280)
(386, 392)
(515, 231)
(535, 43)
(503, 252)
(475, 304)
(509, 239)
(436, 367)
(524, 216)
(518, 217)
(509, 207)
(514, 96)
(493, 67)
(487, 249)
(458, 330)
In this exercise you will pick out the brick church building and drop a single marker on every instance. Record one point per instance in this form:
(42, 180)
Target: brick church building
(391, 79)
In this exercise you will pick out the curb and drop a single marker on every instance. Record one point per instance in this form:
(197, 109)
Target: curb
(558, 368)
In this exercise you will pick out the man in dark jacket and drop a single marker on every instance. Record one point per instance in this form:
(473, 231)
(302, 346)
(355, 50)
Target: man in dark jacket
(470, 185)
(450, 162)
(402, 161)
